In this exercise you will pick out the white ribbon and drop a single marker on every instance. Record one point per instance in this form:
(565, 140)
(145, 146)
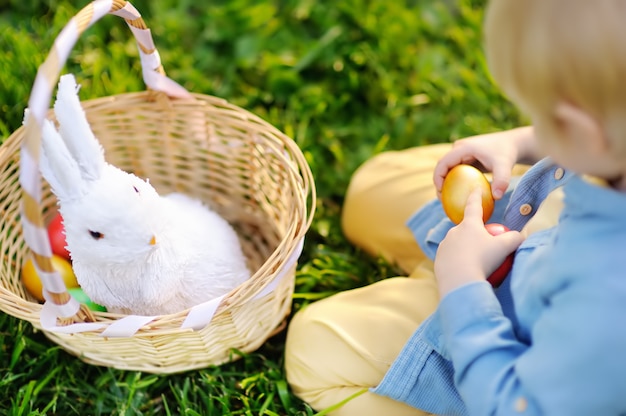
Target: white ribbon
(127, 12)
(48, 319)
(287, 266)
(201, 315)
(52, 281)
(100, 9)
(127, 326)
(68, 309)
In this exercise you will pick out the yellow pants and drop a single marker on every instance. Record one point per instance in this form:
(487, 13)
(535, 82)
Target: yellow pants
(341, 345)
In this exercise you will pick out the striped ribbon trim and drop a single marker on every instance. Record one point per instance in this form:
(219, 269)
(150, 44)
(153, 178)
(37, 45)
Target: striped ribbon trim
(35, 234)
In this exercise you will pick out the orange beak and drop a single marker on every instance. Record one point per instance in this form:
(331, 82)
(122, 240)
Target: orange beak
(153, 241)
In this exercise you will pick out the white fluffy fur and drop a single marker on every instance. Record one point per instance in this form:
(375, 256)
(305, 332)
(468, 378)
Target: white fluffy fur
(197, 255)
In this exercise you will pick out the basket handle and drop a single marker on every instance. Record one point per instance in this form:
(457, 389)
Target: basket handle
(34, 230)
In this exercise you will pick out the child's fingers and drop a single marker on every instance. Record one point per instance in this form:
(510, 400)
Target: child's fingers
(501, 179)
(458, 155)
(441, 170)
(508, 242)
(474, 205)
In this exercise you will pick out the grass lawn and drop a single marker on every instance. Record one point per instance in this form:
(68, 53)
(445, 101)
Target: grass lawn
(345, 79)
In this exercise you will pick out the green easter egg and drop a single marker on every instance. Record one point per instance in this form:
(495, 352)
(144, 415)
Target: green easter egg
(78, 294)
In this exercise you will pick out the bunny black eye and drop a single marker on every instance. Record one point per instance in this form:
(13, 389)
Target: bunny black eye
(135, 188)
(96, 235)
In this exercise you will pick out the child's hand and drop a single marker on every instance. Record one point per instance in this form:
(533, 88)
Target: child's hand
(469, 253)
(494, 152)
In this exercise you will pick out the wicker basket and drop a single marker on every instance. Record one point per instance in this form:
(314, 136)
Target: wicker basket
(254, 176)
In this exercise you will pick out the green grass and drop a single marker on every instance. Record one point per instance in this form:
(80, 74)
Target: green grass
(345, 79)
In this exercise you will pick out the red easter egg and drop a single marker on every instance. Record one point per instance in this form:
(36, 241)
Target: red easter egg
(56, 234)
(497, 277)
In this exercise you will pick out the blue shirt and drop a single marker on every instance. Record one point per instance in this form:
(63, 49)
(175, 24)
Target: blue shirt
(552, 339)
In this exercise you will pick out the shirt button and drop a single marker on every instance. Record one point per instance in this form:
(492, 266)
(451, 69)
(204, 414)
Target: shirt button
(525, 209)
(521, 405)
(558, 173)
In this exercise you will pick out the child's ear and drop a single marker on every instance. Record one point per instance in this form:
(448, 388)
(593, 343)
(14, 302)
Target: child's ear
(581, 127)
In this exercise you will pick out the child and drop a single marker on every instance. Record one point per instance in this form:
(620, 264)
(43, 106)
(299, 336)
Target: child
(551, 339)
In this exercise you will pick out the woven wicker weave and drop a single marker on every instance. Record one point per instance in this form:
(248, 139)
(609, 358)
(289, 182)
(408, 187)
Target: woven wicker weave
(252, 174)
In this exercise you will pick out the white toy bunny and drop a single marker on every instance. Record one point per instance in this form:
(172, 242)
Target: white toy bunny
(133, 251)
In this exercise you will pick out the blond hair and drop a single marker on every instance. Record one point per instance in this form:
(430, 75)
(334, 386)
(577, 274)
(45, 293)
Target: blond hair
(542, 52)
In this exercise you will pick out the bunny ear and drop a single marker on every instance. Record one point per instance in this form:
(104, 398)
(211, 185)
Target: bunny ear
(58, 166)
(75, 130)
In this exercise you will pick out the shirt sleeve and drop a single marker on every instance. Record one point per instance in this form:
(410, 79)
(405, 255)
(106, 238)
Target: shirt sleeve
(421, 376)
(575, 365)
